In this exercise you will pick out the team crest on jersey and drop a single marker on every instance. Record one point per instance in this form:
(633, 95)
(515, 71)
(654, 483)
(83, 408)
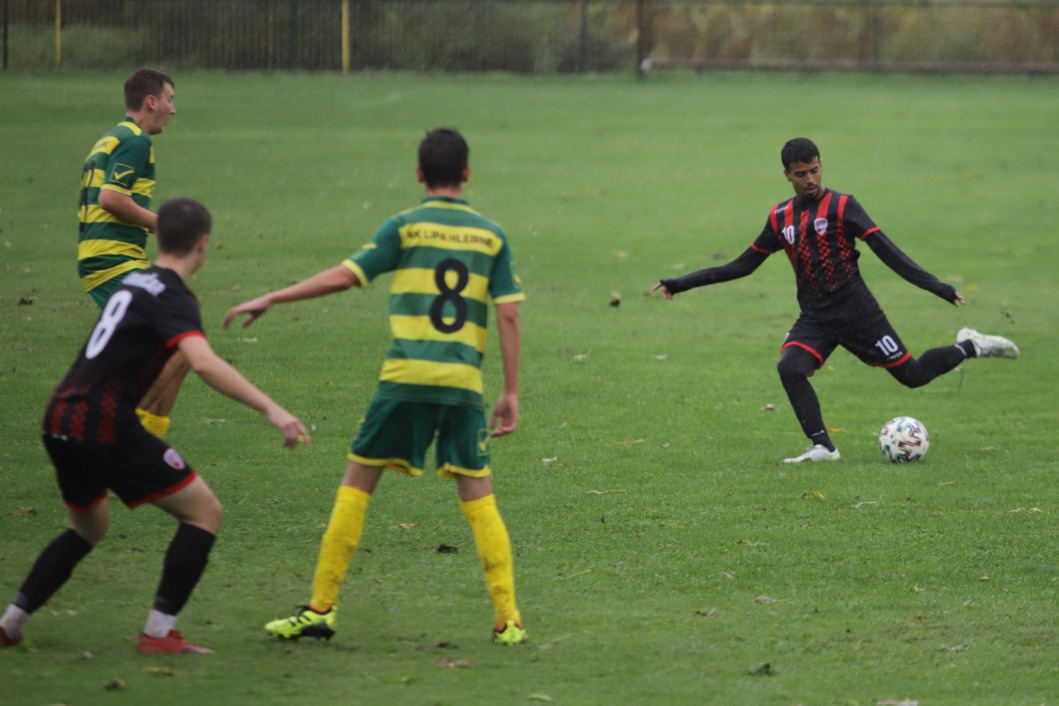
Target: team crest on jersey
(174, 459)
(820, 224)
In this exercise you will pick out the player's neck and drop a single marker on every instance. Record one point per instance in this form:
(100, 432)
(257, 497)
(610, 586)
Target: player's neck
(183, 266)
(446, 192)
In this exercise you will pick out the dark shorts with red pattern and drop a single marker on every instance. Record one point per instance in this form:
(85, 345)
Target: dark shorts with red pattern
(139, 470)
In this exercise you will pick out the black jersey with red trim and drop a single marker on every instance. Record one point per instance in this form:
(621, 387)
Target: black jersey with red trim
(819, 238)
(137, 332)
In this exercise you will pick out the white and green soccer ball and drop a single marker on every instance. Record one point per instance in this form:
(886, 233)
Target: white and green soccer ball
(904, 440)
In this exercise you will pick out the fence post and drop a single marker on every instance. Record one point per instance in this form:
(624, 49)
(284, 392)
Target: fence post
(582, 61)
(345, 36)
(58, 34)
(292, 36)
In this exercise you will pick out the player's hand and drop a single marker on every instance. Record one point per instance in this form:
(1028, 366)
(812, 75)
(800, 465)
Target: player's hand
(254, 309)
(958, 300)
(666, 294)
(292, 429)
(505, 416)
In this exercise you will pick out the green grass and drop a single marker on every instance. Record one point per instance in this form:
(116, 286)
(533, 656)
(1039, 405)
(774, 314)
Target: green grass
(665, 556)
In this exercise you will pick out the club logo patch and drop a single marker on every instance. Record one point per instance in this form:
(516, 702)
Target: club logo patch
(820, 224)
(174, 459)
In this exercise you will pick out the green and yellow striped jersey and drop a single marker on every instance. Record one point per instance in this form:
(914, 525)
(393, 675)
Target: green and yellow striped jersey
(123, 161)
(448, 261)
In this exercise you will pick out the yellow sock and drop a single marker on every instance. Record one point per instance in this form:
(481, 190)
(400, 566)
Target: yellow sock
(494, 549)
(157, 425)
(339, 542)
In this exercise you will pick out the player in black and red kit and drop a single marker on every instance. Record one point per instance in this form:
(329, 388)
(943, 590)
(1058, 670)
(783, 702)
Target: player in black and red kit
(818, 230)
(96, 442)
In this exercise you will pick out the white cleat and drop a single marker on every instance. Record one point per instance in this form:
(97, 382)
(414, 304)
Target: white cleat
(815, 453)
(986, 346)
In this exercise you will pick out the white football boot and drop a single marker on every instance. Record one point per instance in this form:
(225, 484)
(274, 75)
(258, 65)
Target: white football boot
(815, 453)
(986, 346)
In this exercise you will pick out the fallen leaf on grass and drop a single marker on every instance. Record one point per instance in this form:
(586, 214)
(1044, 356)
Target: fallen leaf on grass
(159, 671)
(769, 408)
(663, 357)
(548, 460)
(450, 663)
(1025, 509)
(891, 702)
(410, 525)
(813, 495)
(767, 600)
(541, 697)
(581, 358)
(706, 613)
(115, 685)
(631, 440)
(748, 543)
(615, 299)
(603, 492)
(446, 549)
(24, 511)
(765, 670)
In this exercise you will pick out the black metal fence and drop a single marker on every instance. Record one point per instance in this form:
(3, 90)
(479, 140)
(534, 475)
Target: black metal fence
(532, 36)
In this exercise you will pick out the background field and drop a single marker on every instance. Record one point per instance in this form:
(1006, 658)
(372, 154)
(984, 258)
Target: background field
(665, 556)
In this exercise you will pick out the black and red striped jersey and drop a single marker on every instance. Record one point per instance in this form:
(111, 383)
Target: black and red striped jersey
(137, 332)
(819, 238)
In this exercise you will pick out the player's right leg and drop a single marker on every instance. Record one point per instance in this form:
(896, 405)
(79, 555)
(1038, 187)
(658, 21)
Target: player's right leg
(86, 497)
(796, 364)
(340, 541)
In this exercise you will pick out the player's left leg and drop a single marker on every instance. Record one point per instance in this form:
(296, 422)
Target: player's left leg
(913, 372)
(200, 514)
(491, 538)
(53, 568)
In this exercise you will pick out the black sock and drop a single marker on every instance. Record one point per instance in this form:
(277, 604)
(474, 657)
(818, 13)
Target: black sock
(185, 560)
(968, 349)
(823, 439)
(51, 570)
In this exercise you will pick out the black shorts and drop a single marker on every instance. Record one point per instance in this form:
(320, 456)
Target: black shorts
(870, 338)
(139, 470)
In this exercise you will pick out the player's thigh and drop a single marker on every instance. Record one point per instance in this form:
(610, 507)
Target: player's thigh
(79, 471)
(812, 341)
(395, 434)
(463, 443)
(144, 469)
(194, 504)
(874, 341)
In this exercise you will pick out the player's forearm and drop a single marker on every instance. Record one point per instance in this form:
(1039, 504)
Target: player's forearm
(122, 207)
(894, 258)
(510, 345)
(228, 381)
(338, 278)
(742, 266)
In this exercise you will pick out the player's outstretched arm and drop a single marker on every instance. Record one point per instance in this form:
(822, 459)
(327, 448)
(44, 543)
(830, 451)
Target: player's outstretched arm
(218, 374)
(337, 279)
(505, 413)
(666, 294)
(742, 266)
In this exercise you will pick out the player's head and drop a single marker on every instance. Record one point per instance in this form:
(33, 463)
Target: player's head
(149, 92)
(800, 149)
(443, 159)
(801, 166)
(181, 224)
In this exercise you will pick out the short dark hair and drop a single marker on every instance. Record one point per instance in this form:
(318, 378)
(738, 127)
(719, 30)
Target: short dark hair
(800, 149)
(143, 83)
(181, 221)
(443, 156)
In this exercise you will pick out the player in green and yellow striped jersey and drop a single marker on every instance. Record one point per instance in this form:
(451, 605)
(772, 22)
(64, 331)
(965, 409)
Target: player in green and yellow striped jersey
(449, 263)
(117, 181)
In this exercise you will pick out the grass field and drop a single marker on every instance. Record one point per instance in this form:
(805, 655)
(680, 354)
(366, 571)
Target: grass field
(664, 554)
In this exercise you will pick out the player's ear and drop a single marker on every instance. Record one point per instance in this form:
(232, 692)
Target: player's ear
(466, 175)
(419, 175)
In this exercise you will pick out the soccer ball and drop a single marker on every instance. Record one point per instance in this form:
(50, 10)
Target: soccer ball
(903, 440)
